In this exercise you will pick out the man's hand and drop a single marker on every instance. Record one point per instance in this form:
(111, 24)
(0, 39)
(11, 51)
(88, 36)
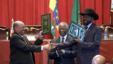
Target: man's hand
(39, 35)
(53, 45)
(63, 51)
(46, 47)
(77, 40)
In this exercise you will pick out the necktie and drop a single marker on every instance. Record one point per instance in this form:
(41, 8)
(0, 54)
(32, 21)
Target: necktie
(62, 39)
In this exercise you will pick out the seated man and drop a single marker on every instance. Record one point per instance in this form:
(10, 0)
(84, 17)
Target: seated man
(63, 55)
(98, 59)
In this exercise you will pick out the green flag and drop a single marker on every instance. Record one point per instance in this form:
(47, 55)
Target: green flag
(52, 28)
(76, 12)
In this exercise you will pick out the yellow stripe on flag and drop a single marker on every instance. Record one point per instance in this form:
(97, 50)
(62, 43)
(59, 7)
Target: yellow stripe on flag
(52, 4)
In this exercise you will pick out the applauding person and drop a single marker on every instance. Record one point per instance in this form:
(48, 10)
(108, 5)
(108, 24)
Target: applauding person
(21, 48)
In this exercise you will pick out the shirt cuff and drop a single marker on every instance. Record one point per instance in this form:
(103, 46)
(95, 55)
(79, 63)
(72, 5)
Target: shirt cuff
(57, 54)
(42, 48)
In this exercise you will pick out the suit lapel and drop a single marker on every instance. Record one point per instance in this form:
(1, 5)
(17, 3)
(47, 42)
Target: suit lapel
(88, 32)
(24, 38)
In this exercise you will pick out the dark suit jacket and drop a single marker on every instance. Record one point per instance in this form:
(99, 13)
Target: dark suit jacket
(21, 50)
(68, 57)
(90, 46)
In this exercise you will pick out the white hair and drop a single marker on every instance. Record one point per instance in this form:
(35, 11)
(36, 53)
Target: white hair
(63, 24)
(17, 23)
(98, 59)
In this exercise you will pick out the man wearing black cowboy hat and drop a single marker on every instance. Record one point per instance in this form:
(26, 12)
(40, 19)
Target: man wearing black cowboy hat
(91, 43)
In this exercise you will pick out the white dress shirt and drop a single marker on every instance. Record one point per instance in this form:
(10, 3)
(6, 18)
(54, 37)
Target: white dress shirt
(64, 38)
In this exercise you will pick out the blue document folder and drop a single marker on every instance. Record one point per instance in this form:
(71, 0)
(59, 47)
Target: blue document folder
(77, 31)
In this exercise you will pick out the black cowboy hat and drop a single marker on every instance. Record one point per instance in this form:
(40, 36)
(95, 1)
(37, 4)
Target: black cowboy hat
(91, 13)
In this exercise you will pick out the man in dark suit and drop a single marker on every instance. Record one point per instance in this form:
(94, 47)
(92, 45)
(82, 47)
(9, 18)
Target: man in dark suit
(91, 43)
(65, 55)
(21, 50)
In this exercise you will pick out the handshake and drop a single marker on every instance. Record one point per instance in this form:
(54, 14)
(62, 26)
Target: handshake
(50, 46)
(46, 47)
